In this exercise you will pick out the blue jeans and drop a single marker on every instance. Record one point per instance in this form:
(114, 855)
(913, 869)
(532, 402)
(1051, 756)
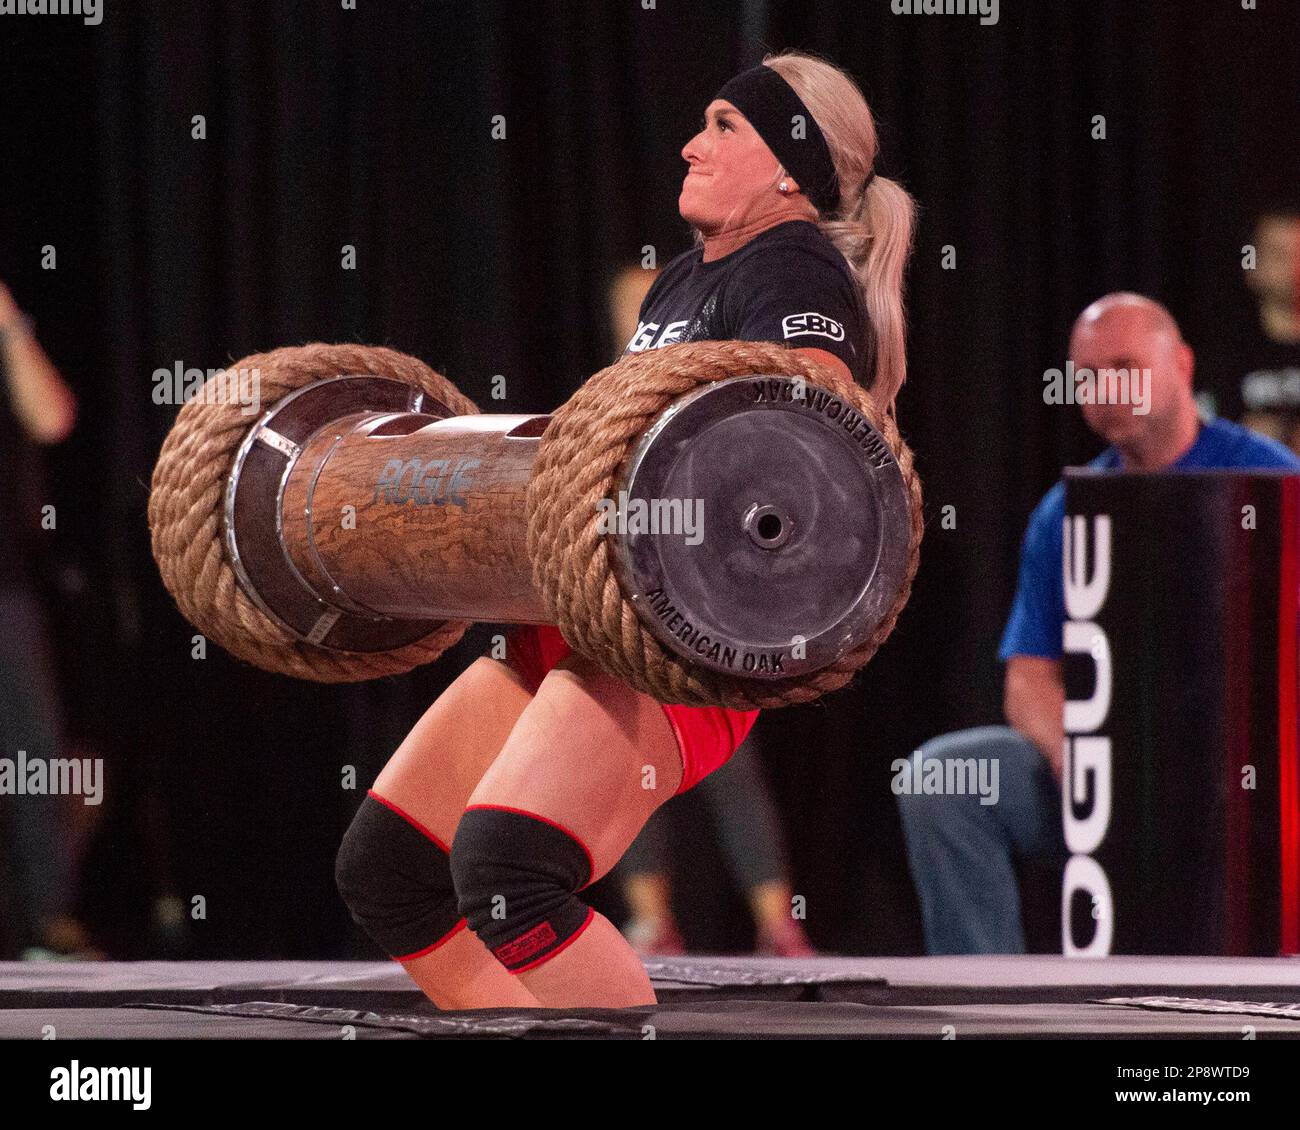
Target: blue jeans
(962, 853)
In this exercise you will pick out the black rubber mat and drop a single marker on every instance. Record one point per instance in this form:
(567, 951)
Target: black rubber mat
(699, 997)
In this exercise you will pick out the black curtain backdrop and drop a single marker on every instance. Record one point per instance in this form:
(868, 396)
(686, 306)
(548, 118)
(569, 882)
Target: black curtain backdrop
(372, 128)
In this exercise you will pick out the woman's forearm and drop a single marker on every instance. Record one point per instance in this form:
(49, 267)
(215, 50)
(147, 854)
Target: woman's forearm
(42, 402)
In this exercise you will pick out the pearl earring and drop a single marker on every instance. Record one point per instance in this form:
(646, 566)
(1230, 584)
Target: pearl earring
(784, 186)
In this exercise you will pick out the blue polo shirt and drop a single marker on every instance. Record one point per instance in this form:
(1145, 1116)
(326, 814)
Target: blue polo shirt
(1038, 614)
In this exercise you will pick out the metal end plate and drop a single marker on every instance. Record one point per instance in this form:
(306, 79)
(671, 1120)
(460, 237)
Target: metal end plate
(762, 535)
(252, 512)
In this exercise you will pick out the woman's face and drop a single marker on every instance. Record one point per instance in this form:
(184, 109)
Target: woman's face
(731, 171)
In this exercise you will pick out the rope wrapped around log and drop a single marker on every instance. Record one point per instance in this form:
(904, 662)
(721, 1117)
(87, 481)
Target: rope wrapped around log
(583, 457)
(187, 500)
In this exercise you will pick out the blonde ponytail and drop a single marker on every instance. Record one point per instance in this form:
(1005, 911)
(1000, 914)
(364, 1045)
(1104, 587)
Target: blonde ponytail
(873, 227)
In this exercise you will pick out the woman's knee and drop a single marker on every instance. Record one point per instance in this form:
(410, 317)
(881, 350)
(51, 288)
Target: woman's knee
(395, 877)
(517, 876)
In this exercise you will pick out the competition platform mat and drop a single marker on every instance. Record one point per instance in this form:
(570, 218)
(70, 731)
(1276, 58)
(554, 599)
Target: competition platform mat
(699, 997)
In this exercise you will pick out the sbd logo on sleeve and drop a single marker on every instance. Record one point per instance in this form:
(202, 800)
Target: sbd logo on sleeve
(794, 325)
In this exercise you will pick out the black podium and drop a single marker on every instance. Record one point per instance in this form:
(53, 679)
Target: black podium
(1182, 772)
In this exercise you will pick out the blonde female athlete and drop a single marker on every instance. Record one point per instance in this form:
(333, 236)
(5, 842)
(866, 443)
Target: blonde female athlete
(523, 782)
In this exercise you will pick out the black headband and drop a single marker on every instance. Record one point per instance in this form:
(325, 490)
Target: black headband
(771, 105)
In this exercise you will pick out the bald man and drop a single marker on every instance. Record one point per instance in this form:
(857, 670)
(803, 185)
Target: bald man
(963, 849)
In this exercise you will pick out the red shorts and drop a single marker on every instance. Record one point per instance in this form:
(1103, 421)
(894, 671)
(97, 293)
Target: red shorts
(707, 736)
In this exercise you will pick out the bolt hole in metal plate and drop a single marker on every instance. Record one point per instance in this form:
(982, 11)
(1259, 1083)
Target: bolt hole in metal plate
(803, 534)
(252, 511)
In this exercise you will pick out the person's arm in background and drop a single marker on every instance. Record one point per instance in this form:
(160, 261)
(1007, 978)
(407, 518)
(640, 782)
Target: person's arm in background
(43, 405)
(1033, 696)
(1033, 700)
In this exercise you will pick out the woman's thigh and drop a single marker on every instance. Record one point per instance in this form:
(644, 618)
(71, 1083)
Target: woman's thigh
(435, 769)
(590, 754)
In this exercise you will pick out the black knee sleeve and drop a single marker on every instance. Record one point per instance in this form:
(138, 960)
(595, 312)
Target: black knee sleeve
(396, 881)
(515, 876)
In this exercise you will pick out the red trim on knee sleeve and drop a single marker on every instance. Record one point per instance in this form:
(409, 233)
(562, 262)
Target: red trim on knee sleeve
(591, 863)
(411, 820)
(591, 914)
(441, 941)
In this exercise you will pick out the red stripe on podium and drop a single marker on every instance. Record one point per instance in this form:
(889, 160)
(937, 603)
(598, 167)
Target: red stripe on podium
(1288, 743)
(1241, 627)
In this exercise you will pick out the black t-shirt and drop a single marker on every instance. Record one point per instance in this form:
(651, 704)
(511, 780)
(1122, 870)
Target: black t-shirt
(788, 284)
(1244, 371)
(1271, 376)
